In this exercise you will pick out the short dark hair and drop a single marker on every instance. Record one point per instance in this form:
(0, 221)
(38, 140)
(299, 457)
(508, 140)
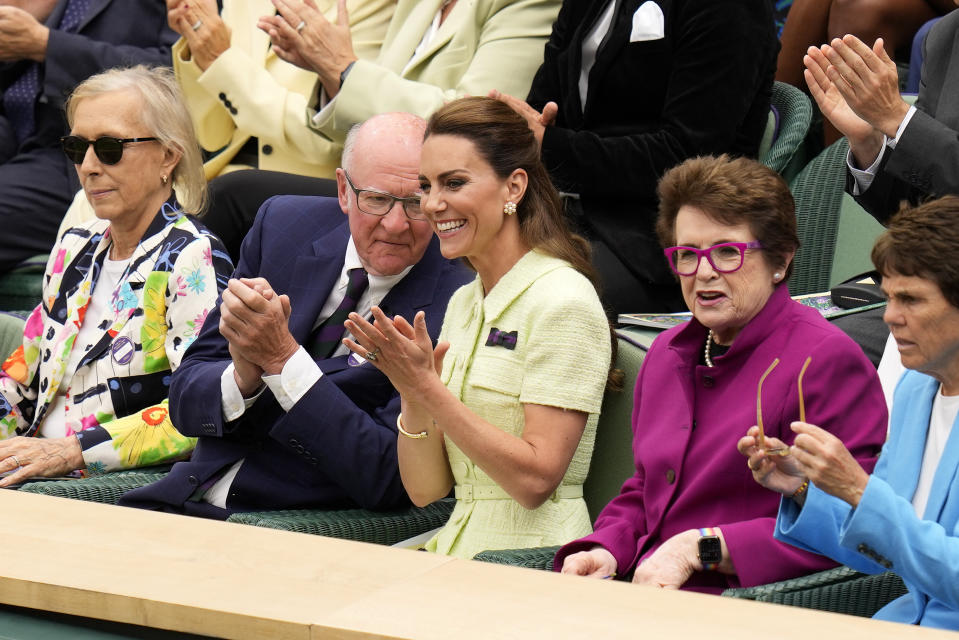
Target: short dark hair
(732, 191)
(923, 242)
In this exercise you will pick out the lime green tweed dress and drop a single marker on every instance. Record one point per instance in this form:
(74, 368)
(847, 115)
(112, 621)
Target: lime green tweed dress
(559, 357)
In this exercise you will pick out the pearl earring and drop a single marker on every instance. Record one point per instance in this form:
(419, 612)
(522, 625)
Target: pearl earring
(777, 277)
(509, 208)
(163, 178)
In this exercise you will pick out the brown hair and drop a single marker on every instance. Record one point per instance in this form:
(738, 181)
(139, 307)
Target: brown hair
(923, 242)
(504, 140)
(732, 191)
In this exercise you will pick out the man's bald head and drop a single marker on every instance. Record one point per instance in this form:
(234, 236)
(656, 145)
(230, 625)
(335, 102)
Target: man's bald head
(397, 132)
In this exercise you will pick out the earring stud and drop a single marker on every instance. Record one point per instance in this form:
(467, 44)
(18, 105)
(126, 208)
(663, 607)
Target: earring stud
(509, 208)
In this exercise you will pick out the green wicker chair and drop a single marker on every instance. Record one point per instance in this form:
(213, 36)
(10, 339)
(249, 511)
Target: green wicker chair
(22, 288)
(794, 115)
(839, 590)
(106, 488)
(612, 460)
(11, 333)
(380, 527)
(818, 190)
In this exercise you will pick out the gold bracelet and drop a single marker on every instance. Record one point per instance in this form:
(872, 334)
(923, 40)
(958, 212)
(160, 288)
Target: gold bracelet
(801, 490)
(415, 436)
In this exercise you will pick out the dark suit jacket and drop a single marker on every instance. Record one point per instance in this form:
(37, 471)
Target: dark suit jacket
(704, 88)
(337, 447)
(925, 162)
(113, 33)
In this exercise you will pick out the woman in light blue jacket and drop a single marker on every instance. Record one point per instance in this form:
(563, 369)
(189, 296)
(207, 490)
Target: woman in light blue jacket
(905, 516)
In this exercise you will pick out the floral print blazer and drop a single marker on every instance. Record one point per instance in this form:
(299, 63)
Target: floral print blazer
(116, 400)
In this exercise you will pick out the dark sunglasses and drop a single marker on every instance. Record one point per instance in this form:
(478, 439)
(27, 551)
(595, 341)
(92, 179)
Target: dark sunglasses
(109, 150)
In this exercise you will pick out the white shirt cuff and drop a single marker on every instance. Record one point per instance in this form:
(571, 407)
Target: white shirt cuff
(324, 104)
(902, 127)
(299, 374)
(234, 404)
(864, 177)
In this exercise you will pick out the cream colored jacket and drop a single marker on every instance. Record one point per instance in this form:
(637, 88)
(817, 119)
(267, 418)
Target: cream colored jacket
(482, 45)
(249, 91)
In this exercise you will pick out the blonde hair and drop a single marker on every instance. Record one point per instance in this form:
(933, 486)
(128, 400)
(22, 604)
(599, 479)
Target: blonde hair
(165, 115)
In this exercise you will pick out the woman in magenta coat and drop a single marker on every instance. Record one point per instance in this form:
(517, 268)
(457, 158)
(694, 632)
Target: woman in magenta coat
(691, 516)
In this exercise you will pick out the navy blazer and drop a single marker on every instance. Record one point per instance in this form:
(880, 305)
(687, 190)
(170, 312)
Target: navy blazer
(112, 33)
(337, 446)
(703, 88)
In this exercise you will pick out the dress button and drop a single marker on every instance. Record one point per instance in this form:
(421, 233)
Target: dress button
(222, 96)
(233, 110)
(193, 481)
(708, 381)
(267, 149)
(670, 476)
(861, 548)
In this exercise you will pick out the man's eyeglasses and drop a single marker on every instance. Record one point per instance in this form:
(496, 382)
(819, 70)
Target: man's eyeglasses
(379, 203)
(109, 150)
(725, 257)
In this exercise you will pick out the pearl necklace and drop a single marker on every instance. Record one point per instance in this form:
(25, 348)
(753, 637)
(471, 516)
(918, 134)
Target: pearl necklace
(709, 341)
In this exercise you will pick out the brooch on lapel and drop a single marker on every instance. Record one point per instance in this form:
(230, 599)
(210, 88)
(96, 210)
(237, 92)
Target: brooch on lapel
(499, 338)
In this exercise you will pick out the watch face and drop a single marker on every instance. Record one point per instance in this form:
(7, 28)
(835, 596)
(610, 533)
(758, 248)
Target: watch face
(710, 550)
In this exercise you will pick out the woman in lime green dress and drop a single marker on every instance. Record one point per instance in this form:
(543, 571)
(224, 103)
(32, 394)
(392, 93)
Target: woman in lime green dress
(503, 411)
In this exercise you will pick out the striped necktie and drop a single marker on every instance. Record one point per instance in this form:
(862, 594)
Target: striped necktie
(326, 337)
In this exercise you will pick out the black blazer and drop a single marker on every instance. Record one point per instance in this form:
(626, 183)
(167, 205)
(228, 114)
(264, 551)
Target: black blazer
(703, 88)
(337, 446)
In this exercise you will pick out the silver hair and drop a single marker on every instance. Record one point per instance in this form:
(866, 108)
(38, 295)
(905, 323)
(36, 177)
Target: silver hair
(165, 116)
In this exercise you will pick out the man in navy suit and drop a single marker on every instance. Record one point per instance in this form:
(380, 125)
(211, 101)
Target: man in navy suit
(285, 417)
(44, 53)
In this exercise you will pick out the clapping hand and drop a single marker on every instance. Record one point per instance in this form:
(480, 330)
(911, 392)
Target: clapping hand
(301, 35)
(403, 352)
(21, 36)
(199, 23)
(255, 322)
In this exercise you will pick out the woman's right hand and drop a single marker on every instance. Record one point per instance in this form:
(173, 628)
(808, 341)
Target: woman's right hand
(595, 563)
(776, 472)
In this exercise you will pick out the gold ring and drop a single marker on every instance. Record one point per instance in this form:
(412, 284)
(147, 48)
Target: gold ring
(17, 460)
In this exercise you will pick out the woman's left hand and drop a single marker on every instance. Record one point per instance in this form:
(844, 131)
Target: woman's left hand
(403, 352)
(671, 565)
(827, 463)
(199, 22)
(43, 457)
(301, 35)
